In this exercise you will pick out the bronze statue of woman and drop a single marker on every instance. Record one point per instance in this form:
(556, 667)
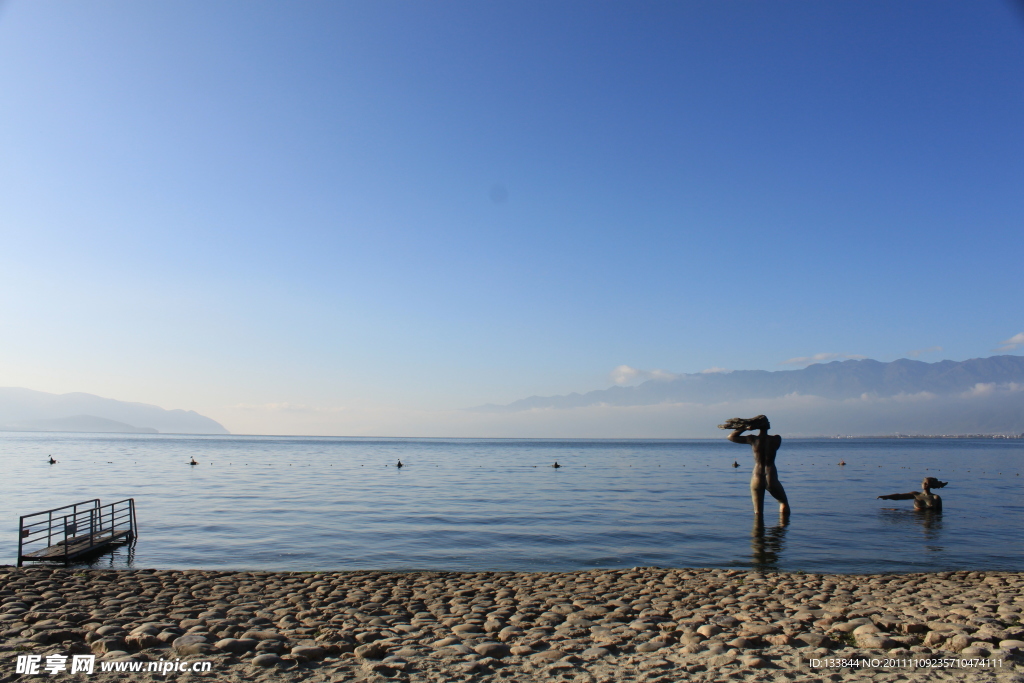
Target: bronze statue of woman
(764, 477)
(923, 499)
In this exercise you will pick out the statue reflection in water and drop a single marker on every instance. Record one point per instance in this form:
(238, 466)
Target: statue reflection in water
(766, 545)
(929, 521)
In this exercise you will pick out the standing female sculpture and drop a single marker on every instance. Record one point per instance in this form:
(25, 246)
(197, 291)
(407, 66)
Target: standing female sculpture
(764, 477)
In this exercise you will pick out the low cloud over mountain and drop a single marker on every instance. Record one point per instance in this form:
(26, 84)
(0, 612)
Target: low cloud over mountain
(981, 395)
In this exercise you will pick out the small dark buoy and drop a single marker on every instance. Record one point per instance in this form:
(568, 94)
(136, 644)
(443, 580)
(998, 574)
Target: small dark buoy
(556, 465)
(193, 462)
(399, 465)
(52, 461)
(735, 464)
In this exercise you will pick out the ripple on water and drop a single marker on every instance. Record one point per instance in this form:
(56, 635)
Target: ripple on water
(332, 503)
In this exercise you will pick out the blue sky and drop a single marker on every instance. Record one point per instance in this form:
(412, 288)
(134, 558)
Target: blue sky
(267, 210)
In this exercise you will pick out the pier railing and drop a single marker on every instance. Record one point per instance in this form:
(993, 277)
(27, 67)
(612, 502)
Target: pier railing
(64, 533)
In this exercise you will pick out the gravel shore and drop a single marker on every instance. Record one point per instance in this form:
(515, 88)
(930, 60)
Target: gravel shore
(644, 624)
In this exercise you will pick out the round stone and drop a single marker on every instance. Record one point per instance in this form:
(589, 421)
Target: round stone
(546, 656)
(267, 659)
(865, 629)
(958, 642)
(496, 650)
(753, 662)
(235, 645)
(371, 651)
(109, 630)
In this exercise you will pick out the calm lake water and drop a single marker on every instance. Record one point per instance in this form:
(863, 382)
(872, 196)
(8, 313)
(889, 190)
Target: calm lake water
(304, 503)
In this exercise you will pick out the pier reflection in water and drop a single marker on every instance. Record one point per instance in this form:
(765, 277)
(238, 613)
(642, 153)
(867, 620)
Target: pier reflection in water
(766, 545)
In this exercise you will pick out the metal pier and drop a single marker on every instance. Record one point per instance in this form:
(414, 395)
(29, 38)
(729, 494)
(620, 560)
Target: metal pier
(65, 533)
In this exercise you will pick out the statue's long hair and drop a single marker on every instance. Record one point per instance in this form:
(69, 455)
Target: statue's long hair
(756, 422)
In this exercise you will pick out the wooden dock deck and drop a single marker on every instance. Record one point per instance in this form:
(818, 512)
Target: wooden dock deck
(72, 531)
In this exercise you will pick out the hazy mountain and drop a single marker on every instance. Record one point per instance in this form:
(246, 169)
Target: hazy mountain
(28, 410)
(836, 380)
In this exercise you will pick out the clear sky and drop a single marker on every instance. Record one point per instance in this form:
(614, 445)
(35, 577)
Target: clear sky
(266, 211)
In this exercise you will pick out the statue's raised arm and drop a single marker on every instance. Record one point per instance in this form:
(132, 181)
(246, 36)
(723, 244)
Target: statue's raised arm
(738, 425)
(899, 496)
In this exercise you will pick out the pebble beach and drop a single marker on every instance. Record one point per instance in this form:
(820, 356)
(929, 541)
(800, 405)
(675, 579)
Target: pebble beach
(645, 624)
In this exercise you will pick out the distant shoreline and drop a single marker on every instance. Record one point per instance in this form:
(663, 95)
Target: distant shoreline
(18, 430)
(925, 436)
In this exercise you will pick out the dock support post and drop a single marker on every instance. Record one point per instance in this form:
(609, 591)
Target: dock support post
(131, 517)
(21, 537)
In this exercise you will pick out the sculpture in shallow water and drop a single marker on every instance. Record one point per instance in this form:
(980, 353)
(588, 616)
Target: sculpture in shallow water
(765, 476)
(923, 499)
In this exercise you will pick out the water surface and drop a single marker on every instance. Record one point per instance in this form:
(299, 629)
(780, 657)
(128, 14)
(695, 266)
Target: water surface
(306, 503)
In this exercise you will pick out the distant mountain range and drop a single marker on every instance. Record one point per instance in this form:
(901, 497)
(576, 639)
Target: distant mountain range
(837, 380)
(38, 411)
